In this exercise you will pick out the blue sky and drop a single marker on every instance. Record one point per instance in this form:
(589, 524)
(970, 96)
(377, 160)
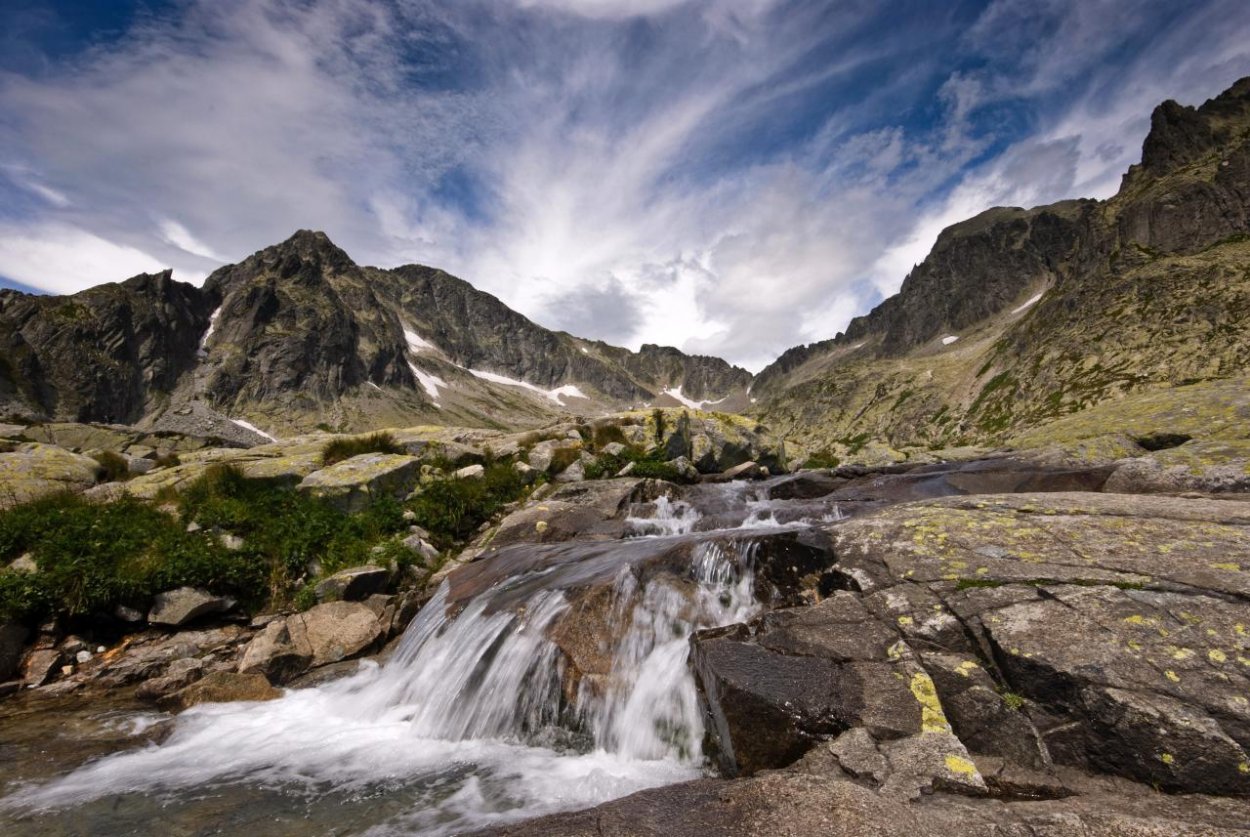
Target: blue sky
(732, 177)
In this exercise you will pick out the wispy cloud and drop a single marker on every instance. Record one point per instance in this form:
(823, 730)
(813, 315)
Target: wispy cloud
(729, 177)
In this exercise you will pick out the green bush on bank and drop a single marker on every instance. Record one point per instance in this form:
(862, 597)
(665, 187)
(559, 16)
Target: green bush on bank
(345, 447)
(452, 510)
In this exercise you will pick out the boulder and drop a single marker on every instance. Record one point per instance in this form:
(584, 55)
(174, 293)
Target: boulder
(41, 665)
(418, 545)
(335, 631)
(138, 465)
(221, 687)
(470, 472)
(186, 604)
(36, 470)
(353, 584)
(352, 483)
(274, 653)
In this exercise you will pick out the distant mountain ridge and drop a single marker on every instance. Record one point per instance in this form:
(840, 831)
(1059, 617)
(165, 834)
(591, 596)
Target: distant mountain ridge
(1017, 317)
(298, 335)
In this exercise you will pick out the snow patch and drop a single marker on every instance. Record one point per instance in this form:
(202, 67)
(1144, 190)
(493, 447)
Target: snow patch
(1030, 301)
(430, 383)
(950, 338)
(249, 426)
(417, 343)
(690, 402)
(212, 326)
(556, 395)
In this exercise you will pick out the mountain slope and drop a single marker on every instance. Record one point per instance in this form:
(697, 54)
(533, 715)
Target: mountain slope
(298, 336)
(1019, 317)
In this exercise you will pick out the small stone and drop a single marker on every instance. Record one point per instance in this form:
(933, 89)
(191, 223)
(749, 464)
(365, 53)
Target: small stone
(231, 542)
(614, 449)
(627, 470)
(470, 472)
(193, 526)
(83, 656)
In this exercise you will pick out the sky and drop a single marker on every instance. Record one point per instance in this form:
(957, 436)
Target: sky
(731, 177)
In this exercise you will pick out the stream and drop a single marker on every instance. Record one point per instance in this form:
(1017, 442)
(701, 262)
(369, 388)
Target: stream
(481, 716)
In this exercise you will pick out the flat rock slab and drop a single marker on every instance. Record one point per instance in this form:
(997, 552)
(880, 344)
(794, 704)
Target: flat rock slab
(186, 604)
(353, 482)
(36, 470)
(221, 687)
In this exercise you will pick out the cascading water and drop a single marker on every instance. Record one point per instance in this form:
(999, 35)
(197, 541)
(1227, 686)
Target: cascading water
(478, 717)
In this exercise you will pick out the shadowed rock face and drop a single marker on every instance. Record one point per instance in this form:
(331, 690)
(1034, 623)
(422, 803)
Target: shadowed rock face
(107, 354)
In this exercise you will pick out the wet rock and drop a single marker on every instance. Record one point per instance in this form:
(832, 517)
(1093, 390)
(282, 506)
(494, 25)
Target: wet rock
(186, 604)
(275, 653)
(221, 687)
(353, 584)
(685, 468)
(40, 666)
(179, 675)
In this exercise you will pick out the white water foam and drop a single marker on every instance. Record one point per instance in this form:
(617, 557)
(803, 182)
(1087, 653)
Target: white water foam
(469, 718)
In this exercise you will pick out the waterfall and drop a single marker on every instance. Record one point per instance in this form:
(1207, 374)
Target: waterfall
(474, 719)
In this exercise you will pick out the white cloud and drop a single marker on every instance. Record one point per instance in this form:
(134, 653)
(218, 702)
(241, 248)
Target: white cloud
(179, 236)
(63, 259)
(718, 176)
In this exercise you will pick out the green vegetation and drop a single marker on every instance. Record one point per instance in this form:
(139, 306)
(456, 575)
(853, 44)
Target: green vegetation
(113, 466)
(1014, 701)
(452, 510)
(92, 557)
(823, 458)
(605, 434)
(562, 458)
(336, 450)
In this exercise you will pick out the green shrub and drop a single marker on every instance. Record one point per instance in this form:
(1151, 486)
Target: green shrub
(452, 510)
(824, 458)
(336, 450)
(657, 470)
(92, 557)
(605, 434)
(562, 458)
(113, 466)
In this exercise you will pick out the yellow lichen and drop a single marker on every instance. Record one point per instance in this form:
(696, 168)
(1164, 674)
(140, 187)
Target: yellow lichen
(1173, 676)
(905, 620)
(932, 718)
(1215, 655)
(966, 668)
(540, 526)
(1228, 565)
(955, 764)
(1167, 758)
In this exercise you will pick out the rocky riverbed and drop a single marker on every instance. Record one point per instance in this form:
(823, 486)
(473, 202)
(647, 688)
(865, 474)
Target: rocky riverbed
(994, 647)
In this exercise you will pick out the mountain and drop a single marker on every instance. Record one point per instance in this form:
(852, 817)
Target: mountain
(1018, 317)
(298, 336)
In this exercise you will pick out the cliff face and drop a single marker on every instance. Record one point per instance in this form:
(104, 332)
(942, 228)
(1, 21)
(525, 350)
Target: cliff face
(1021, 316)
(111, 353)
(298, 335)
